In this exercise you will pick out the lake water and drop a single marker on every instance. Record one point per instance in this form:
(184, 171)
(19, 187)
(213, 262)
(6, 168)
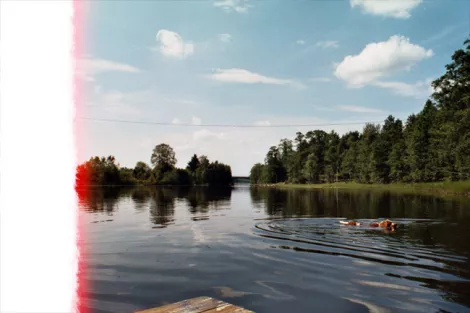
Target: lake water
(274, 250)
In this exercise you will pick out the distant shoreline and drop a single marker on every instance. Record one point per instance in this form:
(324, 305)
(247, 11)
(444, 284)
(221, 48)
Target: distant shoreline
(459, 188)
(147, 185)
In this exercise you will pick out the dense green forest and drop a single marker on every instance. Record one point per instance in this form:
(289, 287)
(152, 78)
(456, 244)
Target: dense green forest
(433, 145)
(199, 171)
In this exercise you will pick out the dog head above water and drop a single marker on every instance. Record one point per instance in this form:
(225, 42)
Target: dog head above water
(388, 224)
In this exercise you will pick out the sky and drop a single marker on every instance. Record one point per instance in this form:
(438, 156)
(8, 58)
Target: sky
(258, 63)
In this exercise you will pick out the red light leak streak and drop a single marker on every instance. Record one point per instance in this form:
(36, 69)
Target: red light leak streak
(82, 193)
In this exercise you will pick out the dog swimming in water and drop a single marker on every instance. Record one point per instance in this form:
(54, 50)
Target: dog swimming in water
(387, 224)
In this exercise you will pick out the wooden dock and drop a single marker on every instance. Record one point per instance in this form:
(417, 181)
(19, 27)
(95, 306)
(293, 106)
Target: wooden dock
(198, 305)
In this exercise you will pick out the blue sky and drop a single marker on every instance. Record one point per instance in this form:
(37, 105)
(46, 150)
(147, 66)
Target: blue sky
(255, 63)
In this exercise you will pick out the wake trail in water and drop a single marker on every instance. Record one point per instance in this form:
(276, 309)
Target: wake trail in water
(328, 236)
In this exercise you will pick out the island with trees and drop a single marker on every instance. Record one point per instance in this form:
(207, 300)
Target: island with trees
(105, 171)
(431, 146)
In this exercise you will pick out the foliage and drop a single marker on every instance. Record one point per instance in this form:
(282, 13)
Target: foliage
(163, 156)
(98, 171)
(176, 177)
(142, 171)
(200, 171)
(126, 176)
(256, 173)
(432, 146)
(218, 174)
(193, 164)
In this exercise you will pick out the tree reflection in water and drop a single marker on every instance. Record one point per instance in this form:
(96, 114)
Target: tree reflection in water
(99, 199)
(160, 201)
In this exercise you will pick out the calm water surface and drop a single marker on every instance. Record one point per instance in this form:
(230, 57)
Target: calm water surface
(275, 251)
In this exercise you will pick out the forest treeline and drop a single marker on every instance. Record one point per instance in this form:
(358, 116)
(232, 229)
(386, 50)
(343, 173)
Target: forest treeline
(433, 145)
(163, 171)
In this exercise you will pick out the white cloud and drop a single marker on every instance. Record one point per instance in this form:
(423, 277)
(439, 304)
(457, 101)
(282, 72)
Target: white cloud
(184, 147)
(419, 90)
(328, 44)
(96, 66)
(225, 37)
(236, 75)
(262, 123)
(97, 89)
(358, 109)
(380, 59)
(321, 79)
(176, 121)
(89, 67)
(240, 6)
(300, 42)
(116, 104)
(196, 120)
(205, 135)
(437, 37)
(391, 8)
(323, 108)
(173, 45)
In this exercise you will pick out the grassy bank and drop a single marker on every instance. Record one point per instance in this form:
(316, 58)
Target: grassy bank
(442, 188)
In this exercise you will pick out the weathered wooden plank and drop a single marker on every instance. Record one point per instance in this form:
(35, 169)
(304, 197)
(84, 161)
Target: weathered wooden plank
(198, 305)
(228, 308)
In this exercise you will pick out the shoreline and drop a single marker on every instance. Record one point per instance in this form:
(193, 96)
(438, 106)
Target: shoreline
(458, 188)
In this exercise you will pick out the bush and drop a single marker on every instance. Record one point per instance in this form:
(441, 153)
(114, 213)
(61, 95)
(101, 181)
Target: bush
(176, 177)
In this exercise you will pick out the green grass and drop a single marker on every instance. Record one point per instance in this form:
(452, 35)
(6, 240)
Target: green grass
(450, 188)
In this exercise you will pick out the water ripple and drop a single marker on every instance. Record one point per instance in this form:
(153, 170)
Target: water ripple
(422, 268)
